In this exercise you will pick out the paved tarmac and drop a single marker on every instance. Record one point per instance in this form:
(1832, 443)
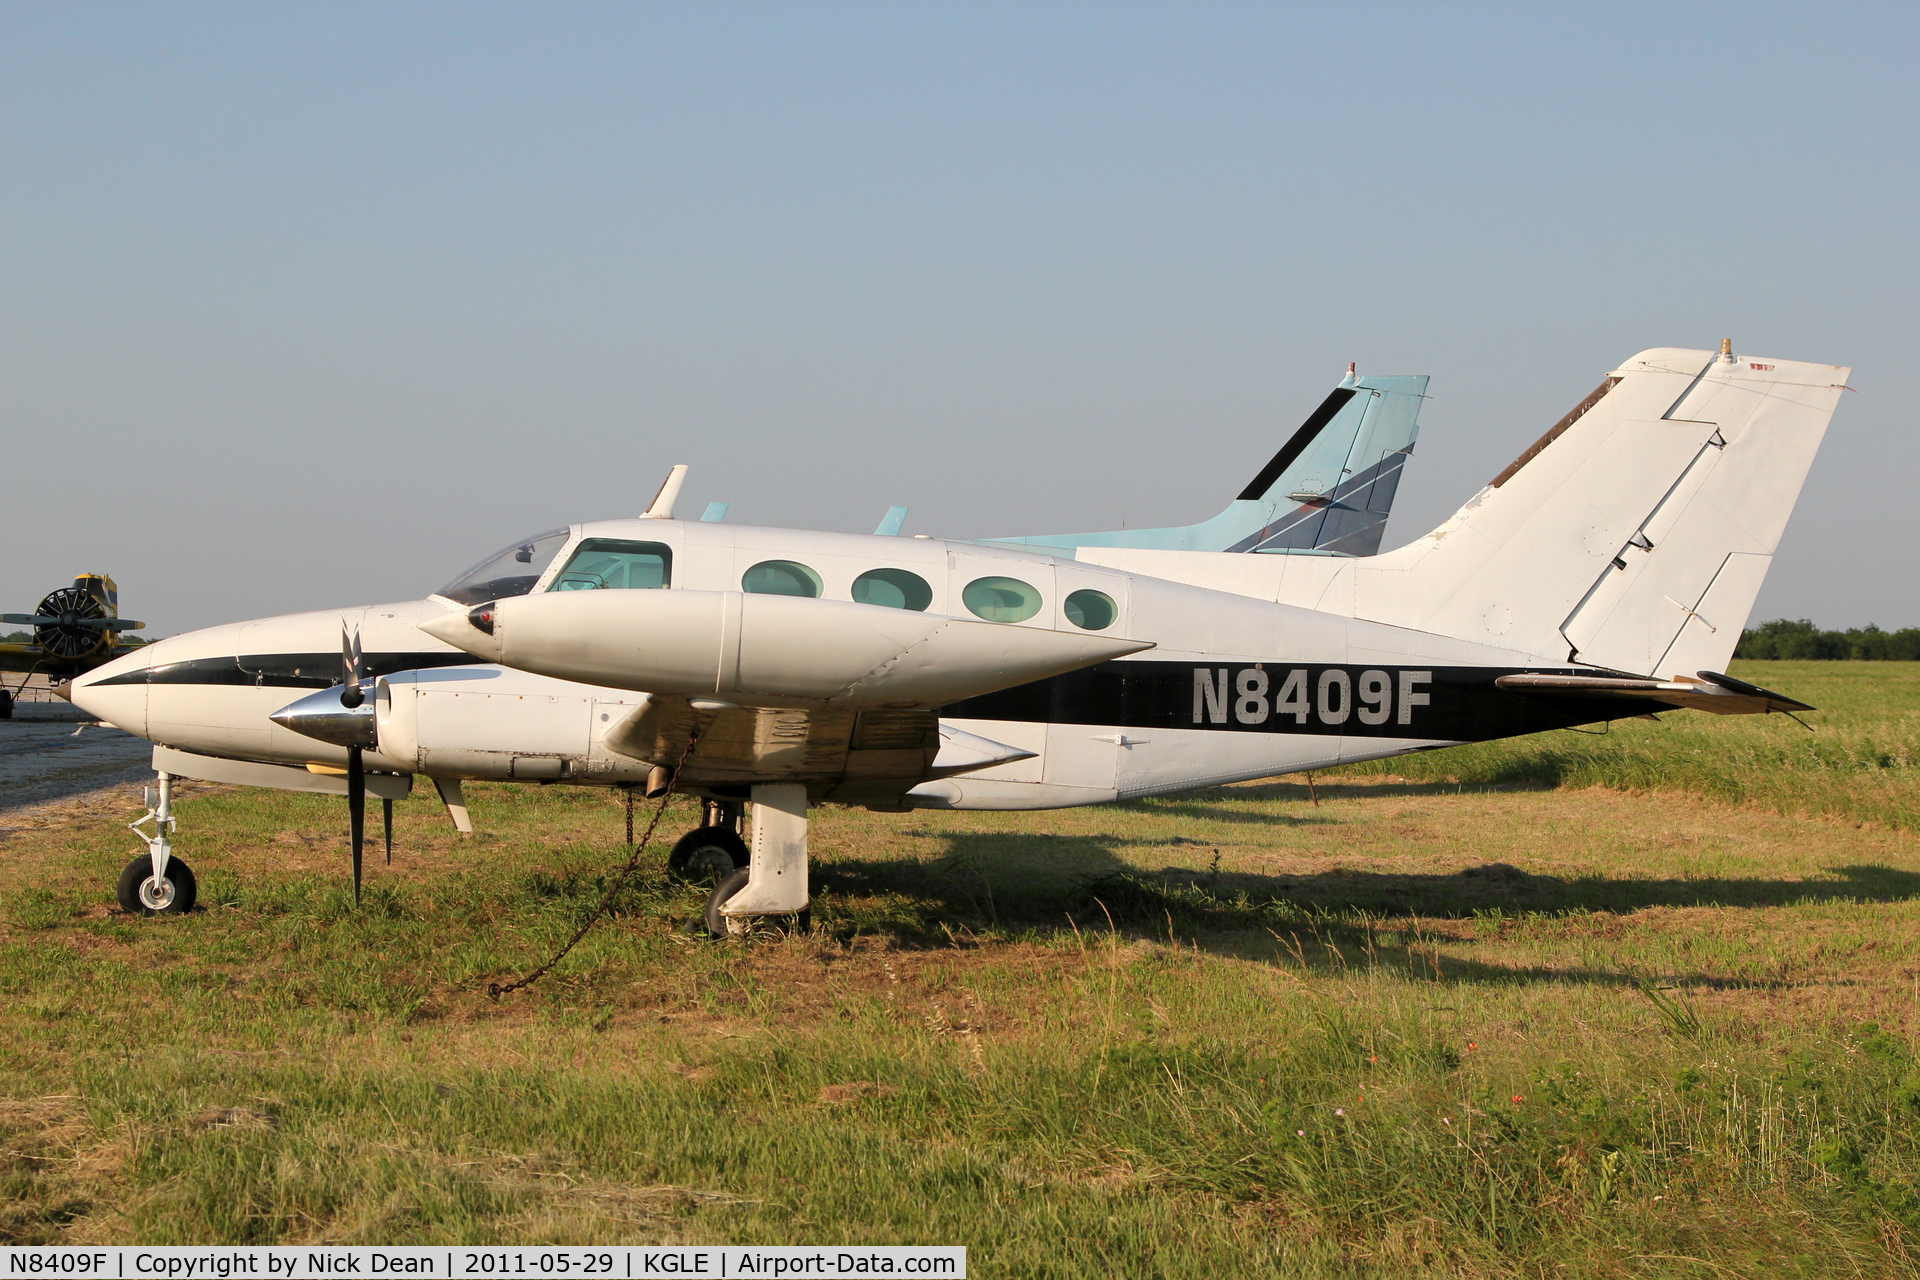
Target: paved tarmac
(49, 755)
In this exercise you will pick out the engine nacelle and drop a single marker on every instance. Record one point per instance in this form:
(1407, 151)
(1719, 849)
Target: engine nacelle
(482, 722)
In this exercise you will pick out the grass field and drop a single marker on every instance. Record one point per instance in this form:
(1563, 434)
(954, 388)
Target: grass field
(1856, 758)
(1641, 1004)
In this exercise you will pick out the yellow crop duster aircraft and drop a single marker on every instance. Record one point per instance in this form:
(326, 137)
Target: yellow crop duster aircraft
(75, 629)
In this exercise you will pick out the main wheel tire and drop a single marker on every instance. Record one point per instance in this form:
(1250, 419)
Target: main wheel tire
(174, 896)
(717, 924)
(707, 855)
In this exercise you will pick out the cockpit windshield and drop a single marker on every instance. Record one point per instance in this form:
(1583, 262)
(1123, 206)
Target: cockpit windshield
(511, 572)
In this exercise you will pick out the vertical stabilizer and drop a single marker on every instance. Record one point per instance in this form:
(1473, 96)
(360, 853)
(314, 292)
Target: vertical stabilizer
(1328, 490)
(1635, 534)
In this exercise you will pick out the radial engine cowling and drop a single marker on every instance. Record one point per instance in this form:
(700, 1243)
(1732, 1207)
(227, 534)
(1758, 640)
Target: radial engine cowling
(65, 634)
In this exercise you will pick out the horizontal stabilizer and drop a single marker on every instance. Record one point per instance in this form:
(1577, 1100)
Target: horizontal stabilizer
(1720, 694)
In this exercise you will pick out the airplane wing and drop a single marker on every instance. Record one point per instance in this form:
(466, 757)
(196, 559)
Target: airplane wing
(15, 656)
(1713, 691)
(860, 751)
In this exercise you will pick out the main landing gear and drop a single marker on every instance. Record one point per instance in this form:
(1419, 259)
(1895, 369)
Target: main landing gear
(765, 878)
(157, 884)
(714, 850)
(774, 882)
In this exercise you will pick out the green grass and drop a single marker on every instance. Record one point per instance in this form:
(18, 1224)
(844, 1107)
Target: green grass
(1857, 757)
(1421, 1027)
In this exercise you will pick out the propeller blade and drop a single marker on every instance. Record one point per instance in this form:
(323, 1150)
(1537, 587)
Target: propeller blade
(386, 816)
(356, 811)
(28, 620)
(350, 695)
(111, 624)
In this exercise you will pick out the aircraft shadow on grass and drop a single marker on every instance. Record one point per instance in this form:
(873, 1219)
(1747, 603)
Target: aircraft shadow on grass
(1215, 804)
(1326, 920)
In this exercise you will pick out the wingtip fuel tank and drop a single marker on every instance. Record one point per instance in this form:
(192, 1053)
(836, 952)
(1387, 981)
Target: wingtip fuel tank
(766, 650)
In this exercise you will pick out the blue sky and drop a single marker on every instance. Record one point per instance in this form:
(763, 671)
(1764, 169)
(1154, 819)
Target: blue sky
(309, 305)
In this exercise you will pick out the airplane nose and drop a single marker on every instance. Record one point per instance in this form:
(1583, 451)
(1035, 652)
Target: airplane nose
(64, 691)
(121, 704)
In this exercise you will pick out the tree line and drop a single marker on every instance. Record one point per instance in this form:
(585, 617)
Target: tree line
(1802, 640)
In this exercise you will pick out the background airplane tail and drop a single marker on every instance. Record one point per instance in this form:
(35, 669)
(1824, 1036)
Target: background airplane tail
(1635, 534)
(1329, 489)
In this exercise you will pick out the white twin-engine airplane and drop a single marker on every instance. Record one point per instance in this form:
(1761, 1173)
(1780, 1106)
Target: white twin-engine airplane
(1608, 572)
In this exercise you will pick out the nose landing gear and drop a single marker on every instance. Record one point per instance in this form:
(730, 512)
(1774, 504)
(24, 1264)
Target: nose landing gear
(172, 894)
(158, 884)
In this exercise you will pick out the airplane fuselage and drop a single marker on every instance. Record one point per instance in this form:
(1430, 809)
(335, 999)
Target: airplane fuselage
(1234, 688)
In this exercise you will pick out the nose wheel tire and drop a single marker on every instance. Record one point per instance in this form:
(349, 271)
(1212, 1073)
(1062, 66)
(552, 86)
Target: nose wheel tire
(141, 895)
(721, 925)
(707, 855)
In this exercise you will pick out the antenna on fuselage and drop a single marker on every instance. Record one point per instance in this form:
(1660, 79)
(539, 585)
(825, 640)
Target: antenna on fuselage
(662, 506)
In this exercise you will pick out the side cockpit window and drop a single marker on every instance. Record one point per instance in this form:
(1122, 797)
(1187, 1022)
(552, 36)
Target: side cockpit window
(1001, 599)
(509, 572)
(618, 565)
(782, 578)
(893, 589)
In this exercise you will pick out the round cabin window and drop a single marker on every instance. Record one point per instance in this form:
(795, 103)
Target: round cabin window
(781, 578)
(1001, 599)
(893, 589)
(1090, 610)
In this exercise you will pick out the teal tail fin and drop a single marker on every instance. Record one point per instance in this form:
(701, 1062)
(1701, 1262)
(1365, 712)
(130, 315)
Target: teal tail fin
(1328, 491)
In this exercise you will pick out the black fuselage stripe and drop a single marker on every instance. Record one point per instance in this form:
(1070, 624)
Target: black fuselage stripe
(1431, 703)
(285, 670)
